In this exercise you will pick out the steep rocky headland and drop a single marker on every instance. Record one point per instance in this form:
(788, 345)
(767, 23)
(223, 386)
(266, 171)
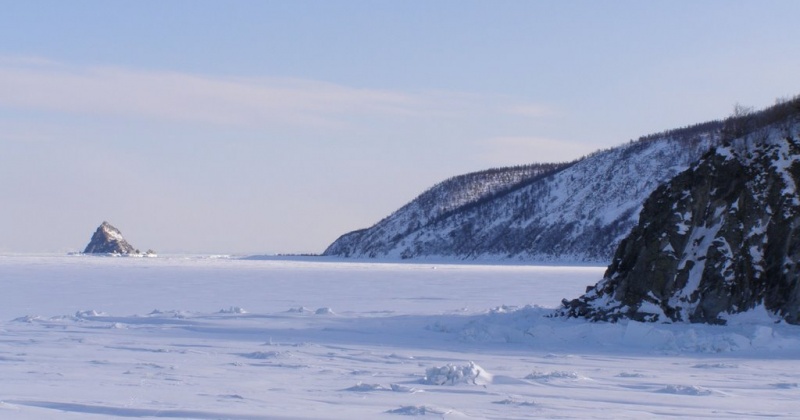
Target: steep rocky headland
(721, 238)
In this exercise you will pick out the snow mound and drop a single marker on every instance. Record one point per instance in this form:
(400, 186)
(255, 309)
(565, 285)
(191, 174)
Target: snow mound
(403, 388)
(417, 410)
(233, 310)
(28, 319)
(715, 366)
(298, 310)
(554, 375)
(535, 326)
(324, 311)
(263, 355)
(503, 309)
(504, 324)
(515, 402)
(89, 314)
(452, 375)
(7, 406)
(685, 390)
(168, 314)
(362, 387)
(631, 375)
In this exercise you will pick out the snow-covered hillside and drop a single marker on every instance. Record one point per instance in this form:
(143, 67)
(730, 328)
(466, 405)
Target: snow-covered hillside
(575, 213)
(438, 202)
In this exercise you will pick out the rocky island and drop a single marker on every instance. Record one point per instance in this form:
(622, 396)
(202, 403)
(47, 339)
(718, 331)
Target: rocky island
(108, 240)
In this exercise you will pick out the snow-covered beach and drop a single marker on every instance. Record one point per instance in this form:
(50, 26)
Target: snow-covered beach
(211, 337)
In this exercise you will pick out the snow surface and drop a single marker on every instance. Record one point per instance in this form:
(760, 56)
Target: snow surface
(218, 338)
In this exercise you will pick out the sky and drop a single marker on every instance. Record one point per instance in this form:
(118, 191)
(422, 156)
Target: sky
(259, 127)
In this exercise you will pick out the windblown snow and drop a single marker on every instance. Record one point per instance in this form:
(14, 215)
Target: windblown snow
(211, 338)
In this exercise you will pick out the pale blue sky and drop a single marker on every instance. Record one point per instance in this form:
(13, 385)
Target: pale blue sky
(261, 127)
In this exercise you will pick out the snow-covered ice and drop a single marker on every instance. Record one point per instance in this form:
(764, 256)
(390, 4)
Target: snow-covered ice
(211, 338)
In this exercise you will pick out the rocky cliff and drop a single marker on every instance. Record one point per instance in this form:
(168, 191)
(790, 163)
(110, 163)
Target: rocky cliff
(721, 238)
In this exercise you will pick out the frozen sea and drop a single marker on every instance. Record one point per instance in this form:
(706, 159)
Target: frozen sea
(223, 338)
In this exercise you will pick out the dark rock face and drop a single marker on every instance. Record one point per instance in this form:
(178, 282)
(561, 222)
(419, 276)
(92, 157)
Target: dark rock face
(720, 238)
(108, 240)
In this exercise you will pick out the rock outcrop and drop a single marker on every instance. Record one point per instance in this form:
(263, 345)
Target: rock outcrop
(108, 240)
(721, 238)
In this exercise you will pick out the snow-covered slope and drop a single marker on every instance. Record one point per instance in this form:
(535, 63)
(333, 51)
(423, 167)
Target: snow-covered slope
(573, 212)
(438, 202)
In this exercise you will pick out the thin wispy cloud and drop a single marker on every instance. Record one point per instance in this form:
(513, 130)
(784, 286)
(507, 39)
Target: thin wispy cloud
(186, 97)
(43, 85)
(532, 110)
